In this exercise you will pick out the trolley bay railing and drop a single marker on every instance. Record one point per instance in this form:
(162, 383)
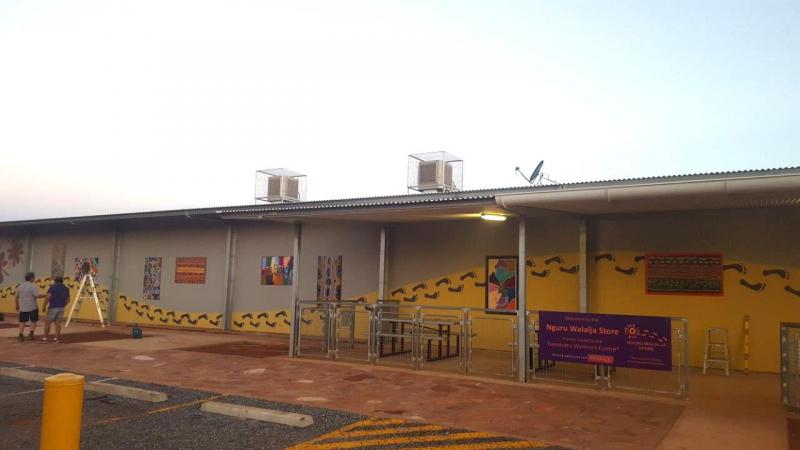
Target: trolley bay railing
(467, 341)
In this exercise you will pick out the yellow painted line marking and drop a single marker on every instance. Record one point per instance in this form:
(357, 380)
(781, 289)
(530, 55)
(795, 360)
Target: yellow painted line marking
(340, 431)
(157, 411)
(363, 423)
(381, 431)
(487, 446)
(394, 441)
(381, 422)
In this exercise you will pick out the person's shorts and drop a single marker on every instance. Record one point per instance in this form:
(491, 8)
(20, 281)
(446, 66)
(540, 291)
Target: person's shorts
(29, 316)
(54, 314)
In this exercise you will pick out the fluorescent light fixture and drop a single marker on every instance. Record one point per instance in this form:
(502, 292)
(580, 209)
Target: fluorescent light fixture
(493, 217)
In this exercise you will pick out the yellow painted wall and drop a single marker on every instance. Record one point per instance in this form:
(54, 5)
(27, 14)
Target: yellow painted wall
(151, 313)
(464, 288)
(761, 253)
(752, 241)
(552, 284)
(86, 311)
(272, 321)
(769, 304)
(7, 296)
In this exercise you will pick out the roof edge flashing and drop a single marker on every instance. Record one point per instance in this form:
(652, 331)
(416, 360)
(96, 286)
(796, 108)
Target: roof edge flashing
(718, 189)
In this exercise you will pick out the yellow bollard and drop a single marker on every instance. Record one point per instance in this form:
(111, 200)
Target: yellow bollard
(61, 412)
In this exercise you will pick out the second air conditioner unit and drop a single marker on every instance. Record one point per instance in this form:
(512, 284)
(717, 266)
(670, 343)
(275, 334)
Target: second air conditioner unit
(435, 172)
(279, 186)
(283, 189)
(435, 175)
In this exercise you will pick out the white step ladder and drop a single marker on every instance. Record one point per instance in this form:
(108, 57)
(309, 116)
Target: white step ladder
(87, 291)
(716, 354)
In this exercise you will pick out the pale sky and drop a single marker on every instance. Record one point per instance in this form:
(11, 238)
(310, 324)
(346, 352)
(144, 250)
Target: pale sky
(110, 106)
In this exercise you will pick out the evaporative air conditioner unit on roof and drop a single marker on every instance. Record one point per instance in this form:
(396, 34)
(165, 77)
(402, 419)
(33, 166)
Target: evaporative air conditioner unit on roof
(435, 172)
(280, 186)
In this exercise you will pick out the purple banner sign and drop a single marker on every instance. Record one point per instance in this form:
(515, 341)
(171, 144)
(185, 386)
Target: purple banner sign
(640, 342)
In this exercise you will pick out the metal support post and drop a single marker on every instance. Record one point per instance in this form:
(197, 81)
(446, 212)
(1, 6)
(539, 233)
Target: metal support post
(332, 328)
(583, 267)
(293, 336)
(29, 249)
(382, 265)
(416, 338)
(522, 326)
(112, 300)
(230, 273)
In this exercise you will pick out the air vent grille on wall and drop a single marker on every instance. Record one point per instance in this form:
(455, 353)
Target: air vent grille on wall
(280, 186)
(435, 172)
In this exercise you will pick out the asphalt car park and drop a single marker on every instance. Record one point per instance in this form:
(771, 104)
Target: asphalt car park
(111, 421)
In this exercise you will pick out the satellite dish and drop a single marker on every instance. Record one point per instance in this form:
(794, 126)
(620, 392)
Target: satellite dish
(536, 172)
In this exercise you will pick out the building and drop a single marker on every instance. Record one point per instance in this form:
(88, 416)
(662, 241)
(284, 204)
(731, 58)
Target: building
(585, 248)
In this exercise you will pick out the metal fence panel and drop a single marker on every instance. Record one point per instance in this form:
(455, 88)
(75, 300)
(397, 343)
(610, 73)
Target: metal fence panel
(557, 371)
(396, 338)
(492, 344)
(674, 382)
(442, 337)
(790, 365)
(313, 339)
(353, 328)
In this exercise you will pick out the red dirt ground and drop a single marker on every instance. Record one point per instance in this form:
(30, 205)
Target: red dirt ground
(578, 419)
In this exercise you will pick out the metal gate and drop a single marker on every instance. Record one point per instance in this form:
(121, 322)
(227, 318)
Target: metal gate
(313, 330)
(790, 365)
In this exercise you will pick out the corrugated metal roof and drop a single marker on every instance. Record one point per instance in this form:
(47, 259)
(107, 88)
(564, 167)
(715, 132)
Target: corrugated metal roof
(418, 199)
(394, 200)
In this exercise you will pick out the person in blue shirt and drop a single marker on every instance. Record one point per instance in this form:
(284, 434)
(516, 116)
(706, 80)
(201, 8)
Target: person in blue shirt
(54, 304)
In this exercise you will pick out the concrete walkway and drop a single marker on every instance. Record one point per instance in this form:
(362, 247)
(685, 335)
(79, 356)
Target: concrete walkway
(734, 412)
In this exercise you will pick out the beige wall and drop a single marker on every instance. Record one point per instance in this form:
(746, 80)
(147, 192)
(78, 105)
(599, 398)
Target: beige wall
(169, 242)
(13, 270)
(357, 243)
(254, 241)
(79, 243)
(418, 251)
